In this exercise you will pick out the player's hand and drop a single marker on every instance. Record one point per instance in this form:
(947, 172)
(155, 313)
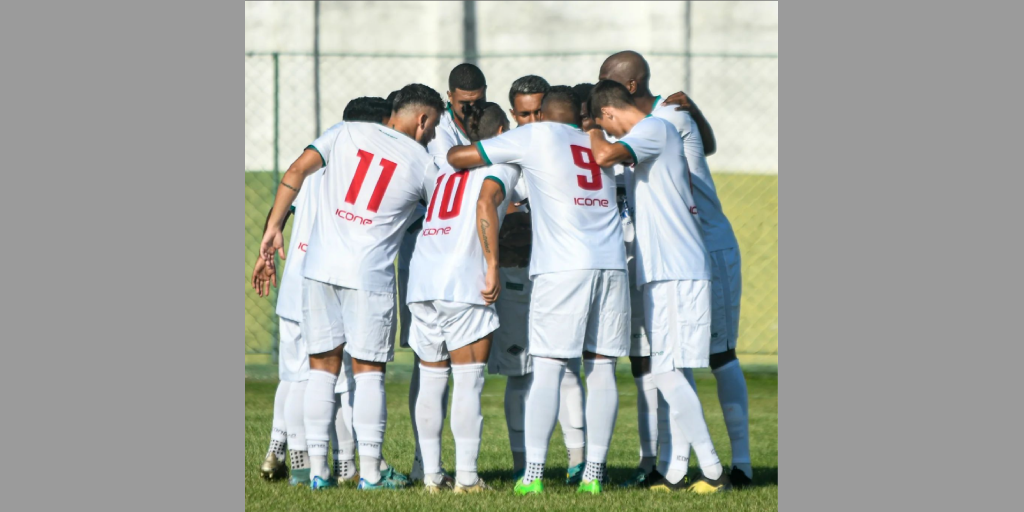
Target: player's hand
(273, 241)
(681, 101)
(492, 286)
(263, 276)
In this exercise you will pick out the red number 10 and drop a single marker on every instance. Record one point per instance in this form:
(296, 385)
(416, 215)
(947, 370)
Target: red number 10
(387, 171)
(449, 209)
(592, 182)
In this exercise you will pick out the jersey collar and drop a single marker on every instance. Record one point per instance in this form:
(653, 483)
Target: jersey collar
(657, 101)
(455, 120)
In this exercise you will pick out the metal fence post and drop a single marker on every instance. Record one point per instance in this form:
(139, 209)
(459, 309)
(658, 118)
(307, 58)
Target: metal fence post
(469, 32)
(686, 80)
(277, 179)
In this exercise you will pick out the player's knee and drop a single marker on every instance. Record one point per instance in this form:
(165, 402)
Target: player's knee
(361, 366)
(438, 364)
(640, 365)
(719, 360)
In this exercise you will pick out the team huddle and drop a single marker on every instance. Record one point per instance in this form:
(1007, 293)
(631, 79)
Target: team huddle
(591, 231)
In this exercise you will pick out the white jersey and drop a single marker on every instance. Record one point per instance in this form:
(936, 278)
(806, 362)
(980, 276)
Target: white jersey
(718, 233)
(289, 296)
(374, 177)
(669, 244)
(572, 199)
(448, 263)
(446, 135)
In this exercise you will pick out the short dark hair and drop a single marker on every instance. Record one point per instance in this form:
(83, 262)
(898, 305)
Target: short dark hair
(529, 84)
(483, 122)
(391, 97)
(608, 93)
(565, 95)
(466, 77)
(583, 91)
(417, 94)
(367, 109)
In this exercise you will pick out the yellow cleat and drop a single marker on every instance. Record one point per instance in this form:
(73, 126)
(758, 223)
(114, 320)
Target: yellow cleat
(479, 486)
(704, 485)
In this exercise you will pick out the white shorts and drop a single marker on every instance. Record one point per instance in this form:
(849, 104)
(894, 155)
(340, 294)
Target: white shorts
(726, 287)
(292, 359)
(580, 311)
(347, 380)
(679, 324)
(404, 317)
(359, 319)
(509, 348)
(439, 326)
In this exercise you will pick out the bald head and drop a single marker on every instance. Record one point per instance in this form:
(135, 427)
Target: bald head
(630, 69)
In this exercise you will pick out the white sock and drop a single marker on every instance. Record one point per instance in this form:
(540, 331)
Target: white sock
(318, 412)
(647, 416)
(343, 438)
(541, 412)
(570, 412)
(279, 428)
(414, 391)
(664, 436)
(732, 394)
(369, 420)
(686, 411)
(294, 416)
(467, 419)
(516, 391)
(429, 420)
(602, 407)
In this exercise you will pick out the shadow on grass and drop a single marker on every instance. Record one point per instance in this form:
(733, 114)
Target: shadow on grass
(763, 476)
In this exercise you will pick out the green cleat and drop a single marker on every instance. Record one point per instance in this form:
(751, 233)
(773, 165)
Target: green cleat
(639, 477)
(591, 487)
(398, 480)
(300, 477)
(535, 487)
(574, 475)
(383, 484)
(322, 483)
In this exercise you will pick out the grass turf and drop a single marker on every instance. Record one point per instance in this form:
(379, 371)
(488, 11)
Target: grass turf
(495, 463)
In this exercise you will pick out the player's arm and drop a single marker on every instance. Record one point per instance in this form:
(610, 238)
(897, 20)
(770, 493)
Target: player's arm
(264, 275)
(465, 157)
(707, 135)
(491, 195)
(273, 238)
(607, 154)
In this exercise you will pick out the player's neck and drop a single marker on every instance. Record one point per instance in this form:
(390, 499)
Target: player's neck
(407, 129)
(644, 101)
(632, 117)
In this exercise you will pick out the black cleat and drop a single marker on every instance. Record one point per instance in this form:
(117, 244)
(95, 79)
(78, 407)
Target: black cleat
(705, 485)
(739, 478)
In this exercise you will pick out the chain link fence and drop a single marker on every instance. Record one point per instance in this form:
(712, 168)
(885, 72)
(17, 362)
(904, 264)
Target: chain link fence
(738, 94)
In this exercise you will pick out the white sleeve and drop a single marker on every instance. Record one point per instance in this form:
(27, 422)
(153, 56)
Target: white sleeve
(426, 188)
(510, 147)
(646, 140)
(325, 143)
(505, 175)
(438, 148)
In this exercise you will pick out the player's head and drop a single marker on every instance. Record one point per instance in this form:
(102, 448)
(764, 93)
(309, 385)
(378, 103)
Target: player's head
(367, 109)
(466, 88)
(391, 103)
(583, 93)
(486, 122)
(609, 101)
(630, 69)
(561, 105)
(415, 112)
(525, 96)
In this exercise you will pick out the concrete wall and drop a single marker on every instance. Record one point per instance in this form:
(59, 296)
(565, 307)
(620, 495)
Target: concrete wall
(739, 94)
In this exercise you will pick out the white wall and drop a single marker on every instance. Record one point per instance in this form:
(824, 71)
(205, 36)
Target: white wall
(739, 95)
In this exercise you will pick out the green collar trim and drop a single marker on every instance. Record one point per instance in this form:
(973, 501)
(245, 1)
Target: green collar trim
(455, 120)
(657, 100)
(574, 126)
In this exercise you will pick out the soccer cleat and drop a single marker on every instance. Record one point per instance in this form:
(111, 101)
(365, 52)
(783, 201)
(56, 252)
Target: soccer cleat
(299, 477)
(591, 487)
(574, 475)
(322, 483)
(639, 477)
(397, 479)
(535, 487)
(273, 469)
(657, 482)
(383, 484)
(704, 485)
(479, 486)
(445, 484)
(739, 479)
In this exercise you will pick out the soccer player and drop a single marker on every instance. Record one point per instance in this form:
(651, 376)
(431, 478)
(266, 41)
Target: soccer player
(672, 265)
(467, 88)
(509, 355)
(631, 70)
(580, 303)
(452, 322)
(370, 186)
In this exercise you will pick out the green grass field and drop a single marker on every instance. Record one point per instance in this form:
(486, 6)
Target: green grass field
(495, 461)
(750, 201)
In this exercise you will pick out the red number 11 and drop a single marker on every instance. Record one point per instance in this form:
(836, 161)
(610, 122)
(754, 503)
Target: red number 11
(387, 171)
